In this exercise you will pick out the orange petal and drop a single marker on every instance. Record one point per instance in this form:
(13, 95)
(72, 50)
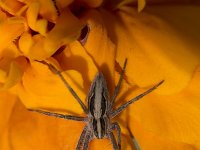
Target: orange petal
(64, 32)
(174, 118)
(48, 10)
(148, 141)
(43, 89)
(141, 5)
(7, 102)
(157, 48)
(58, 133)
(11, 6)
(99, 144)
(39, 25)
(11, 28)
(10, 70)
(100, 46)
(75, 57)
(33, 46)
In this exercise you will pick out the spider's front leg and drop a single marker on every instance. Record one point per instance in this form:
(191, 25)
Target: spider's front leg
(67, 117)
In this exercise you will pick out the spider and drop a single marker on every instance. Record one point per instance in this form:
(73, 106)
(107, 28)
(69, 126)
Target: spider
(99, 111)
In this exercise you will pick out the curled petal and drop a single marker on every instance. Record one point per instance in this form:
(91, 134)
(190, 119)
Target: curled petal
(141, 5)
(33, 46)
(99, 46)
(11, 6)
(64, 32)
(76, 57)
(39, 25)
(11, 70)
(10, 28)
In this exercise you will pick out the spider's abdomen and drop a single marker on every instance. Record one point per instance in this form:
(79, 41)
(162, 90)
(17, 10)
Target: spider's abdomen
(99, 127)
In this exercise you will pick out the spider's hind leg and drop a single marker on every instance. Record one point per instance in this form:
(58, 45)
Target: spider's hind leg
(115, 126)
(87, 140)
(82, 138)
(113, 141)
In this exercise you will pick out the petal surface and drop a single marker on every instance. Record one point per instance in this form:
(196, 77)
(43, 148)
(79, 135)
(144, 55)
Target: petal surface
(157, 47)
(174, 118)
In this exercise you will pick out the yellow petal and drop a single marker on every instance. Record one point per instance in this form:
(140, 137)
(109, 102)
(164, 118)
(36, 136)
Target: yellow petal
(11, 70)
(99, 144)
(64, 32)
(174, 118)
(33, 47)
(48, 10)
(14, 75)
(157, 48)
(76, 57)
(25, 43)
(141, 5)
(7, 102)
(148, 140)
(43, 89)
(11, 6)
(11, 28)
(42, 129)
(32, 18)
(99, 46)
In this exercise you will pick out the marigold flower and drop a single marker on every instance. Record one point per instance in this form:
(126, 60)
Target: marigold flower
(83, 37)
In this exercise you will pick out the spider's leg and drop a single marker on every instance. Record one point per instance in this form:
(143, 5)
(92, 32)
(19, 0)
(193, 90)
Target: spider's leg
(115, 126)
(133, 139)
(117, 88)
(87, 140)
(67, 85)
(121, 108)
(82, 138)
(113, 141)
(68, 117)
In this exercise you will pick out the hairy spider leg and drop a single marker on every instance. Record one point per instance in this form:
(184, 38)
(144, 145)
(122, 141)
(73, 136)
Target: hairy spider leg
(82, 138)
(121, 108)
(115, 126)
(68, 117)
(67, 85)
(117, 88)
(113, 141)
(70, 89)
(87, 140)
(134, 140)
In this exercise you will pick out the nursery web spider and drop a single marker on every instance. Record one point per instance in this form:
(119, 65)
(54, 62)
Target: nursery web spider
(99, 111)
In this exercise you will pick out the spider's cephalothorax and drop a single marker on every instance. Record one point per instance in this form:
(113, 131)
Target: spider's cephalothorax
(99, 111)
(98, 101)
